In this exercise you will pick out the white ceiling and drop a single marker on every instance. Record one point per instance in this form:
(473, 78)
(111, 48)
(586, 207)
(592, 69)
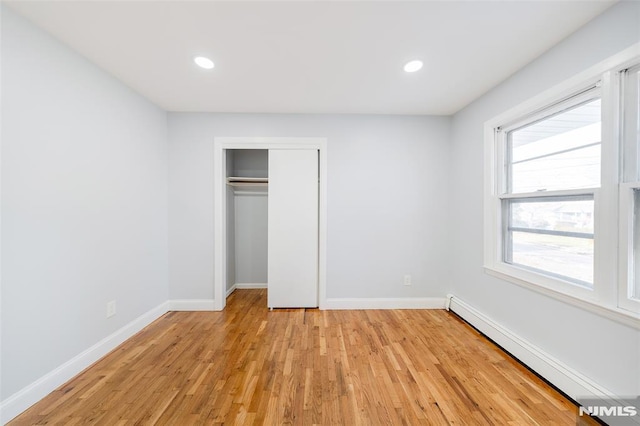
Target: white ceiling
(311, 57)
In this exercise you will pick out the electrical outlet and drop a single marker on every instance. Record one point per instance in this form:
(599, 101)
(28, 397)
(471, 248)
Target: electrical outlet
(111, 308)
(407, 280)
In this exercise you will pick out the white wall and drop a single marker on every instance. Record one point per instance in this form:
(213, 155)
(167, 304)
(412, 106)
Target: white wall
(387, 199)
(604, 351)
(251, 230)
(84, 204)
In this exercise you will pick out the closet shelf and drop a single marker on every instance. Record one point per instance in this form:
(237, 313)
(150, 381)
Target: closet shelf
(247, 179)
(248, 183)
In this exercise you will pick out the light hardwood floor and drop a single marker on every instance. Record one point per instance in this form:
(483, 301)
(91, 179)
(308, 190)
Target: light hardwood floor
(247, 365)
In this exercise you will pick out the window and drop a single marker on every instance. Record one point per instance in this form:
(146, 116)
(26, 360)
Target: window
(550, 166)
(543, 231)
(562, 191)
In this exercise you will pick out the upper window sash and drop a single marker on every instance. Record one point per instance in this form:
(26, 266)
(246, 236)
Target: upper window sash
(504, 133)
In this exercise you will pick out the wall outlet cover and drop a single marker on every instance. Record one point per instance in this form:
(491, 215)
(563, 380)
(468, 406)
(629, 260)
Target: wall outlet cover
(111, 308)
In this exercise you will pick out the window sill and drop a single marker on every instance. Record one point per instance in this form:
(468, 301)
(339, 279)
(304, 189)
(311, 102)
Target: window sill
(513, 275)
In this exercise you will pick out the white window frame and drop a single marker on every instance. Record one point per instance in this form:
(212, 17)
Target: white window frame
(630, 177)
(605, 298)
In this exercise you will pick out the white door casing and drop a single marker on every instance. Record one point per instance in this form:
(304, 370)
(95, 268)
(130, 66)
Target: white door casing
(221, 144)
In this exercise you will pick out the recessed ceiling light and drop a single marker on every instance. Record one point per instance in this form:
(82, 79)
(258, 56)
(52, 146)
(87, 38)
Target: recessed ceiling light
(203, 62)
(413, 66)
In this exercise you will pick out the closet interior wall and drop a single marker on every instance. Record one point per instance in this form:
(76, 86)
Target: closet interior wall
(247, 220)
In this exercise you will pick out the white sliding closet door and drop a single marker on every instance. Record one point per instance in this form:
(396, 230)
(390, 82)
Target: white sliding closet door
(293, 228)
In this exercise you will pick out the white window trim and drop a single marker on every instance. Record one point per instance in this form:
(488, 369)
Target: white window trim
(606, 298)
(630, 182)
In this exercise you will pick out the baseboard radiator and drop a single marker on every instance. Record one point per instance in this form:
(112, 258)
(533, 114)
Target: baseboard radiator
(571, 382)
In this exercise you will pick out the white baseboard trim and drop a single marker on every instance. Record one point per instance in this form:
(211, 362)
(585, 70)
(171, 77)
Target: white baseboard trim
(565, 378)
(242, 286)
(385, 303)
(192, 305)
(26, 397)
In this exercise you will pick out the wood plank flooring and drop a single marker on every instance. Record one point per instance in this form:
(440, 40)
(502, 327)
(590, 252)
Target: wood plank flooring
(249, 366)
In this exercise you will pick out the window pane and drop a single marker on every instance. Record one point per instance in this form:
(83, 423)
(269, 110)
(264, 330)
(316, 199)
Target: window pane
(574, 215)
(552, 235)
(564, 256)
(570, 170)
(559, 152)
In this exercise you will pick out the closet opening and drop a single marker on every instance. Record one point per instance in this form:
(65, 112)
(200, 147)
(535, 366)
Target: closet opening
(270, 219)
(247, 177)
